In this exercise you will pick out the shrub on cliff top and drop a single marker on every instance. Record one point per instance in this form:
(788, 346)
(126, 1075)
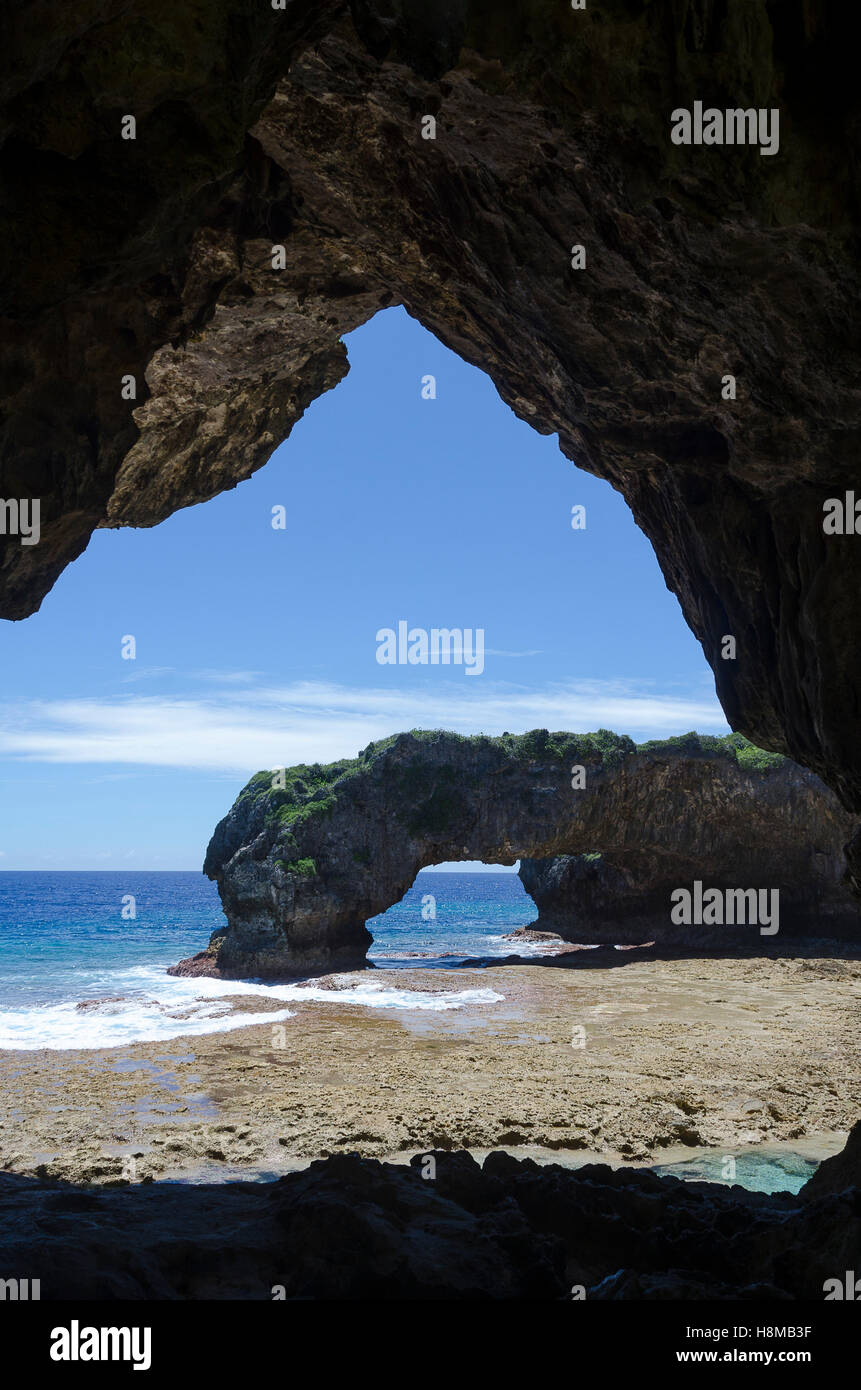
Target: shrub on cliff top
(611, 749)
(733, 746)
(312, 791)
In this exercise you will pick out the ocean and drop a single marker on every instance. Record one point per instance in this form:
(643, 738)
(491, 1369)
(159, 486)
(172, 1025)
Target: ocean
(64, 941)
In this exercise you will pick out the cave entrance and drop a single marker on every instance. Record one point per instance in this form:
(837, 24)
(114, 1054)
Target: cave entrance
(453, 912)
(442, 513)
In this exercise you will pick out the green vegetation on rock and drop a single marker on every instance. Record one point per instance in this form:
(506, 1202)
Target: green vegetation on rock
(306, 868)
(736, 746)
(427, 791)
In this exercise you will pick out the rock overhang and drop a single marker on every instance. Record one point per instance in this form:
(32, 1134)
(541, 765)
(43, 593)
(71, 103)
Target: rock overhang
(553, 127)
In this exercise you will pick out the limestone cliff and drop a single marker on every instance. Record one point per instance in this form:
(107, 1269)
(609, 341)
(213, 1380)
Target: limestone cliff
(623, 898)
(303, 128)
(302, 866)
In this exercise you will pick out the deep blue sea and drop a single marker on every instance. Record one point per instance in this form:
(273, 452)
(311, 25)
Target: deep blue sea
(64, 940)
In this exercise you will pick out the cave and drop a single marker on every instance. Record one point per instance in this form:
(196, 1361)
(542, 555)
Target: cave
(199, 202)
(304, 128)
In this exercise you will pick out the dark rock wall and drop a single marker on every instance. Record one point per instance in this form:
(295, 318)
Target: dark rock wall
(302, 127)
(300, 869)
(107, 242)
(624, 898)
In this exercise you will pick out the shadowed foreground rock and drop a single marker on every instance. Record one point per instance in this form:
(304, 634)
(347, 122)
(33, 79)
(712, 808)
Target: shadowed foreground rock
(351, 1228)
(302, 867)
(839, 1173)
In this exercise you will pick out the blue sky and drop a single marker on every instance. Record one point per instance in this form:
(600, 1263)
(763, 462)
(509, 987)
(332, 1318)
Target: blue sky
(257, 647)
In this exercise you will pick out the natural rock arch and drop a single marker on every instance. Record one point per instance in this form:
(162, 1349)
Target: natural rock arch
(302, 127)
(302, 865)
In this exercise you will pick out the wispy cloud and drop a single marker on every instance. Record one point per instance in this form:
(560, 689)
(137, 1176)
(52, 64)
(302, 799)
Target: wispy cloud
(210, 675)
(244, 730)
(135, 674)
(228, 677)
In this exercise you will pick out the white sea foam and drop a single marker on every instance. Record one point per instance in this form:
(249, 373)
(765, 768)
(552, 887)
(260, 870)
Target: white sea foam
(513, 946)
(146, 1005)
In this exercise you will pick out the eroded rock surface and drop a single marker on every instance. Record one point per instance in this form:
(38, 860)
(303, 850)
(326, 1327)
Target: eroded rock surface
(301, 867)
(303, 127)
(721, 1050)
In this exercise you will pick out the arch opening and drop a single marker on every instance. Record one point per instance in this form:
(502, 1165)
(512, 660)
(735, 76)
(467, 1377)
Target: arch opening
(450, 914)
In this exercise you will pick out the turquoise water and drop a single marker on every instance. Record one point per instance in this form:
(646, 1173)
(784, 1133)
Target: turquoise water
(763, 1171)
(64, 942)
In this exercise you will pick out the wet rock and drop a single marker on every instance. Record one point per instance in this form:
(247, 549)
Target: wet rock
(95, 1005)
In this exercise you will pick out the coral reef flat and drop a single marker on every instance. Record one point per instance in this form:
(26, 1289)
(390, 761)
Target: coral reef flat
(677, 1054)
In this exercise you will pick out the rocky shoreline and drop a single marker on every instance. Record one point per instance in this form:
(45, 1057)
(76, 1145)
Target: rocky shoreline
(678, 1053)
(119, 1167)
